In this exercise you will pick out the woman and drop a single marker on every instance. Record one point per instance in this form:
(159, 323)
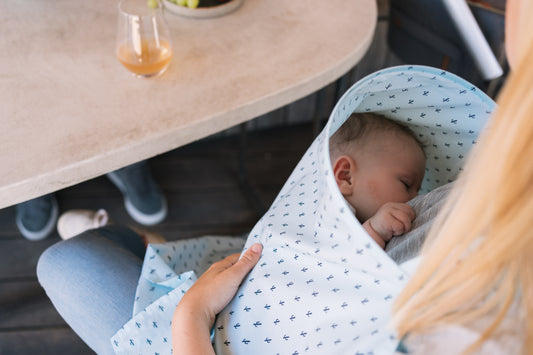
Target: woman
(505, 253)
(476, 267)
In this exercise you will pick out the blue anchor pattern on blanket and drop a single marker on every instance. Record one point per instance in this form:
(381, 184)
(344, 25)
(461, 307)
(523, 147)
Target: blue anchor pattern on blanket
(312, 291)
(322, 285)
(329, 288)
(169, 270)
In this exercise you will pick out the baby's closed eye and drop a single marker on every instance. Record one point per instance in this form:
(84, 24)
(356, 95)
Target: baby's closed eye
(406, 182)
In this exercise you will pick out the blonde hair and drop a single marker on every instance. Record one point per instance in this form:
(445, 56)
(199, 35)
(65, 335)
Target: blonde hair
(478, 259)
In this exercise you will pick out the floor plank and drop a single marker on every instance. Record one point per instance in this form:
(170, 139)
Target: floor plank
(19, 257)
(23, 304)
(54, 340)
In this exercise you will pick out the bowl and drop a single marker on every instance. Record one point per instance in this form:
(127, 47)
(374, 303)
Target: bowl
(203, 12)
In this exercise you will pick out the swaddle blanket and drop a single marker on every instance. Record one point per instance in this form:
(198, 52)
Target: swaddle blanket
(322, 285)
(168, 271)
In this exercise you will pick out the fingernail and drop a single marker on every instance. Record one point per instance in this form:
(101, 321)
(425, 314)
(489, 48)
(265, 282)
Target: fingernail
(256, 248)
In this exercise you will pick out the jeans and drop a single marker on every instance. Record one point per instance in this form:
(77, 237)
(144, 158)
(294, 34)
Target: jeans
(91, 280)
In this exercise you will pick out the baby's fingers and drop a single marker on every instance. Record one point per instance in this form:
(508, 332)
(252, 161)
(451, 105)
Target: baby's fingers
(398, 227)
(404, 217)
(406, 210)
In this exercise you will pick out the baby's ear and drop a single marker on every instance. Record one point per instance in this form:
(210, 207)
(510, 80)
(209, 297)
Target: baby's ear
(344, 171)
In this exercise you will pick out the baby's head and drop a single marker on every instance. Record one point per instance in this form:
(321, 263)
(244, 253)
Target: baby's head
(376, 160)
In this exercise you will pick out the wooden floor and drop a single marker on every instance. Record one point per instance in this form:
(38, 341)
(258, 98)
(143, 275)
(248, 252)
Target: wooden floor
(204, 196)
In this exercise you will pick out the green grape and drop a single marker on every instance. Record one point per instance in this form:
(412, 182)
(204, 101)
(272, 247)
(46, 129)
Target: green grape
(193, 4)
(182, 2)
(152, 4)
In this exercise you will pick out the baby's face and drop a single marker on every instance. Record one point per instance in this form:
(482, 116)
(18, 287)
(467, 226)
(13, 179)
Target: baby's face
(389, 168)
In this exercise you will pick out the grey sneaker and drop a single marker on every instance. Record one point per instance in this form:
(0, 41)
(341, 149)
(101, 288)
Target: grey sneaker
(36, 219)
(143, 199)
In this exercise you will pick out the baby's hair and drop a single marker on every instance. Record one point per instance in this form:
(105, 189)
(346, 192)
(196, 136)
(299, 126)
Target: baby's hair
(361, 125)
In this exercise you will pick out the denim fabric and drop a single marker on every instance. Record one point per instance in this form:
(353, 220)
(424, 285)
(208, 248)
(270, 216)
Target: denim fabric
(94, 307)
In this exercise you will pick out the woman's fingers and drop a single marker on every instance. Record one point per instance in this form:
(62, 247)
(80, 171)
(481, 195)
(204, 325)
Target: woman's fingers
(227, 262)
(247, 261)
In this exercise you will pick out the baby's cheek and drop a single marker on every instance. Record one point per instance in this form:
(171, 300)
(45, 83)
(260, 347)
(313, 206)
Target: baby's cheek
(374, 191)
(376, 195)
(372, 188)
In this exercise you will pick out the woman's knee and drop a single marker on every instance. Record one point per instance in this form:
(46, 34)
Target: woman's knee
(87, 281)
(49, 263)
(88, 256)
(61, 260)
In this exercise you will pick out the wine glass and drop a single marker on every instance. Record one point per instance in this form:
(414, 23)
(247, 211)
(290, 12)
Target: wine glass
(143, 39)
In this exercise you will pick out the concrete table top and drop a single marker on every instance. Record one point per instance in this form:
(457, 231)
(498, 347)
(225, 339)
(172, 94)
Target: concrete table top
(70, 112)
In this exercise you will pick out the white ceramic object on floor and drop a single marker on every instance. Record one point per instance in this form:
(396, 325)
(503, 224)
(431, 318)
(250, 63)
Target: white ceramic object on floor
(74, 222)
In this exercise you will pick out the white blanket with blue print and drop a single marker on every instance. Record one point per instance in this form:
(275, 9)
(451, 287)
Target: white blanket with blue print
(322, 285)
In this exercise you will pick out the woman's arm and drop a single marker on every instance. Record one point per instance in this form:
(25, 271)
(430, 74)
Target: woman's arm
(195, 314)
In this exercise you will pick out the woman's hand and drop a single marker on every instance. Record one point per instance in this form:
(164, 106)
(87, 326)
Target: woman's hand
(195, 314)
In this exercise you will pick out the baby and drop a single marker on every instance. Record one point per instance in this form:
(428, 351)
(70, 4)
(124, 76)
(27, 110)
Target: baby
(378, 165)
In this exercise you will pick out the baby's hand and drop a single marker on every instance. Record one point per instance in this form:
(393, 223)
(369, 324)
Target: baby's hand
(392, 219)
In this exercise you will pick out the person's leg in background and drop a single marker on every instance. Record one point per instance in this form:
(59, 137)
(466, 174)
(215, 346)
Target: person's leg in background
(91, 280)
(36, 219)
(143, 199)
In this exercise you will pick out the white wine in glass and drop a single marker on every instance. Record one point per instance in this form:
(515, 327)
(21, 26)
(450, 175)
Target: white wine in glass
(143, 39)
